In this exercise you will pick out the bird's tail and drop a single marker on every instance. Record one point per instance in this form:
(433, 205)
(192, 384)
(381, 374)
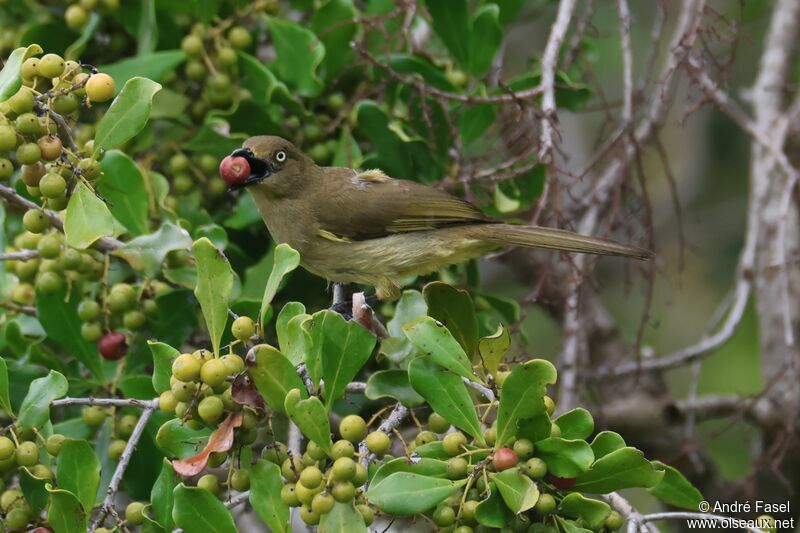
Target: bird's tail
(556, 239)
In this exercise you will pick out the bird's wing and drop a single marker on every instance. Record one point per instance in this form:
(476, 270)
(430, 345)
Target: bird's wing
(369, 204)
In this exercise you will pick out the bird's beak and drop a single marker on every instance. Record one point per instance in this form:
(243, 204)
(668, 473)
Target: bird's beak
(259, 169)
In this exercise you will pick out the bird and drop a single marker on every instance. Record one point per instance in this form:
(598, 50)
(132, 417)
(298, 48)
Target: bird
(363, 227)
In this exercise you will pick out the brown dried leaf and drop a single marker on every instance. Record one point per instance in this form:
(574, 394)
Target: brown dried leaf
(220, 441)
(244, 392)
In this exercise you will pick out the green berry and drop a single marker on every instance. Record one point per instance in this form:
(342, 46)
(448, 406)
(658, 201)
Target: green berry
(343, 491)
(425, 437)
(233, 363)
(53, 444)
(457, 468)
(88, 310)
(49, 282)
(27, 454)
(28, 124)
(126, 425)
(93, 415)
(121, 297)
(239, 37)
(89, 167)
(343, 469)
(134, 513)
(453, 443)
(29, 153)
(91, 331)
(192, 45)
(378, 442)
(550, 405)
(17, 519)
(51, 66)
(49, 246)
(534, 468)
(444, 516)
(226, 56)
(523, 448)
(52, 185)
(214, 372)
(209, 482)
(100, 87)
(30, 68)
(6, 448)
(75, 17)
(64, 104)
(353, 428)
(116, 448)
(210, 409)
(545, 505)
(8, 138)
(311, 477)
(22, 101)
(308, 515)
(289, 495)
(186, 367)
(6, 169)
(35, 221)
(183, 391)
(437, 423)
(342, 448)
(167, 402)
(322, 503)
(240, 480)
(614, 521)
(366, 513)
(243, 328)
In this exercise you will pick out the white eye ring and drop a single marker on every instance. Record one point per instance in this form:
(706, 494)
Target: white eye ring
(280, 157)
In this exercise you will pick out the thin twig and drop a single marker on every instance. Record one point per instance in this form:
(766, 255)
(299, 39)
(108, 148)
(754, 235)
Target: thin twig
(24, 255)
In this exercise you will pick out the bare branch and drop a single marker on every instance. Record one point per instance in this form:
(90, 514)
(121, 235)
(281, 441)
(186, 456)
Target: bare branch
(24, 255)
(398, 414)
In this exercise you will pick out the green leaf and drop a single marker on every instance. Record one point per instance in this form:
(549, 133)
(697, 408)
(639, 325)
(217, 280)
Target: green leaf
(508, 9)
(35, 409)
(264, 86)
(176, 439)
(10, 78)
(343, 347)
(432, 338)
(127, 114)
(87, 219)
(334, 23)
(147, 252)
(163, 354)
(274, 376)
(451, 23)
(522, 396)
(65, 514)
(5, 399)
(293, 338)
(162, 497)
(493, 512)
(620, 469)
(485, 38)
(79, 471)
(310, 417)
(493, 348)
(593, 512)
(87, 32)
(420, 64)
(535, 429)
(214, 285)
(343, 518)
(405, 493)
(424, 467)
(575, 424)
(147, 35)
(299, 53)
(675, 489)
(173, 325)
(156, 66)
(393, 384)
(606, 442)
(518, 491)
(446, 394)
(122, 184)
(348, 153)
(33, 488)
(565, 458)
(474, 121)
(453, 308)
(285, 260)
(198, 511)
(265, 496)
(208, 139)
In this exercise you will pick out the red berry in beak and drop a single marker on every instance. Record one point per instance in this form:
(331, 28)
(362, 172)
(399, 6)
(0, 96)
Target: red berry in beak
(113, 346)
(234, 169)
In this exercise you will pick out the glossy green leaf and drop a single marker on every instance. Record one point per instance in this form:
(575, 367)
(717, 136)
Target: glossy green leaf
(274, 376)
(162, 498)
(79, 471)
(198, 511)
(493, 512)
(406, 493)
(209, 138)
(335, 25)
(606, 442)
(675, 489)
(424, 467)
(65, 514)
(485, 38)
(422, 65)
(257, 78)
(155, 66)
(522, 396)
(570, 526)
(620, 469)
(432, 338)
(393, 384)
(293, 338)
(88, 218)
(122, 184)
(163, 354)
(343, 518)
(176, 439)
(5, 399)
(593, 512)
(174, 326)
(339, 349)
(575, 424)
(147, 252)
(311, 418)
(33, 488)
(453, 308)
(518, 491)
(446, 394)
(10, 78)
(492, 349)
(285, 260)
(565, 458)
(299, 53)
(535, 429)
(508, 9)
(35, 409)
(451, 23)
(265, 496)
(214, 285)
(127, 114)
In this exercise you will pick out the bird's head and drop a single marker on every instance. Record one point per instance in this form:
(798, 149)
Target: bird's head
(273, 164)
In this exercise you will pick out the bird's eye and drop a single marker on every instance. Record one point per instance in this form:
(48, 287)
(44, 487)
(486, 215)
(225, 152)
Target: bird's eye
(280, 156)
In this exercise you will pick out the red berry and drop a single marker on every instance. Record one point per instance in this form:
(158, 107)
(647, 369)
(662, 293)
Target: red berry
(234, 169)
(113, 346)
(41, 530)
(561, 483)
(503, 459)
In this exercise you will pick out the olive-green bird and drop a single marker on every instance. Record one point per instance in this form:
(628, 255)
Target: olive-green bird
(364, 227)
